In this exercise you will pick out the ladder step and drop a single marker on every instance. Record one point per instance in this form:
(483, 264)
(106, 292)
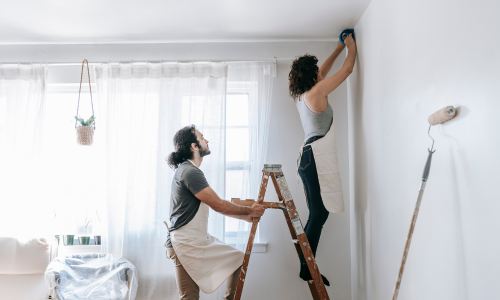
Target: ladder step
(272, 168)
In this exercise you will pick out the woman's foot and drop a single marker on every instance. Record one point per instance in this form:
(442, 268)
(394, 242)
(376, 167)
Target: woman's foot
(306, 275)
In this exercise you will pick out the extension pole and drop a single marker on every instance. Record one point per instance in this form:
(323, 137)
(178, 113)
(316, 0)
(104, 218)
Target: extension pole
(425, 176)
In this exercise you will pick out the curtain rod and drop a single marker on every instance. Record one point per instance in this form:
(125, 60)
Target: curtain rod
(61, 64)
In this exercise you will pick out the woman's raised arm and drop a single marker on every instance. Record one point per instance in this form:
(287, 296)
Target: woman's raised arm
(327, 85)
(327, 65)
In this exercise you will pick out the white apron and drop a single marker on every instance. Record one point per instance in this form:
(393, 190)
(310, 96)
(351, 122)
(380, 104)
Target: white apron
(325, 155)
(205, 258)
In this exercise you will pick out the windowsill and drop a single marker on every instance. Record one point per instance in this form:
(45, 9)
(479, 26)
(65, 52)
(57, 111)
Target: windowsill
(77, 249)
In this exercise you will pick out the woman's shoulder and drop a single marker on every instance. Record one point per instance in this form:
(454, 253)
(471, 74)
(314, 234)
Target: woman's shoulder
(315, 102)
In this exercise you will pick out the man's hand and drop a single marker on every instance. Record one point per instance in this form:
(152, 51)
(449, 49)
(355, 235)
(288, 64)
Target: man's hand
(249, 219)
(257, 209)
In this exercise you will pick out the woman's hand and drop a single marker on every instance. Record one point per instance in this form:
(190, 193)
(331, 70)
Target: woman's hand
(340, 46)
(349, 42)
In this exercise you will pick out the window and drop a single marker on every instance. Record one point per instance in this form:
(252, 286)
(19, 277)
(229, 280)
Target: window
(237, 158)
(77, 185)
(78, 174)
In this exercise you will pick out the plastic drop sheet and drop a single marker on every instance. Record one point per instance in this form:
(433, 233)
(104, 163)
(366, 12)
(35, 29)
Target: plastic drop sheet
(91, 276)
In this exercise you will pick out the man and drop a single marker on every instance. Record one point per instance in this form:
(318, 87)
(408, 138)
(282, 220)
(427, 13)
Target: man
(201, 260)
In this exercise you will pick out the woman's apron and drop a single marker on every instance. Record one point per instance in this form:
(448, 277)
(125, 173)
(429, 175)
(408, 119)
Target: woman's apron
(325, 155)
(205, 258)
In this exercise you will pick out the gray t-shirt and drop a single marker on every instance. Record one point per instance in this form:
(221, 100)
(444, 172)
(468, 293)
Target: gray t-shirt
(188, 181)
(314, 124)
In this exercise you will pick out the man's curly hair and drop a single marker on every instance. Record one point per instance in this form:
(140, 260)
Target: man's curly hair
(303, 76)
(182, 144)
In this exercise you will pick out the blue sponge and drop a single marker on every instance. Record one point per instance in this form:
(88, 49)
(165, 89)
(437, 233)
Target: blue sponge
(346, 33)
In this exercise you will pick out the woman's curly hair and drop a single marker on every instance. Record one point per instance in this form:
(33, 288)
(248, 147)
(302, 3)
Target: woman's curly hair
(303, 76)
(182, 143)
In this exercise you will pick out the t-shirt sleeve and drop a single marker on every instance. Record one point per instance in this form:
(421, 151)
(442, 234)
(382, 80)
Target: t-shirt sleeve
(194, 180)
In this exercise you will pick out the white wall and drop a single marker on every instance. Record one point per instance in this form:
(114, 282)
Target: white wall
(415, 57)
(272, 275)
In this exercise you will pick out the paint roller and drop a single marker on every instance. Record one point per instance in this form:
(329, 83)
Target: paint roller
(441, 116)
(344, 34)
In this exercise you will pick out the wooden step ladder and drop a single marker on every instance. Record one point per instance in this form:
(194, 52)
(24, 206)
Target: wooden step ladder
(292, 218)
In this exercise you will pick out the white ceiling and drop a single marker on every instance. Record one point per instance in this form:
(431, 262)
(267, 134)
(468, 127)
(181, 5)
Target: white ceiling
(127, 21)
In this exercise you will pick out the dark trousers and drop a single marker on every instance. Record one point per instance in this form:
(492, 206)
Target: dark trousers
(317, 211)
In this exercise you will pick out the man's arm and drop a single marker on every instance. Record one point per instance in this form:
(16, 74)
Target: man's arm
(209, 197)
(244, 218)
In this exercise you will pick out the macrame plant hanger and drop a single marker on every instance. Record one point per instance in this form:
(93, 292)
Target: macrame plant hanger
(85, 134)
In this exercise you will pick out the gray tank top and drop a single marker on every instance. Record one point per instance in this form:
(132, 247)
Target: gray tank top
(314, 124)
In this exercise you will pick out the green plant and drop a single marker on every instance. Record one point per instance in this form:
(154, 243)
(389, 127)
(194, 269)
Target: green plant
(89, 122)
(86, 225)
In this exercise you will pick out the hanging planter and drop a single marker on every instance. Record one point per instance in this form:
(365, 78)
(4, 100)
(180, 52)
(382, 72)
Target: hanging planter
(85, 130)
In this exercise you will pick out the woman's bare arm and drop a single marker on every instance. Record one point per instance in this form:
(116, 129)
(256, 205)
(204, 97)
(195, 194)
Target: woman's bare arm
(317, 96)
(327, 65)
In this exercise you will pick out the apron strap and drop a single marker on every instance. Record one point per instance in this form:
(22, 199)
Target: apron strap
(298, 165)
(301, 151)
(168, 228)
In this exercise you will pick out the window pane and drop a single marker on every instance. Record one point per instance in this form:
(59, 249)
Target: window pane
(234, 179)
(234, 183)
(234, 186)
(237, 144)
(237, 156)
(237, 110)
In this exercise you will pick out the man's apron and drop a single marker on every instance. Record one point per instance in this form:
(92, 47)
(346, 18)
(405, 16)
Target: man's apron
(206, 259)
(325, 155)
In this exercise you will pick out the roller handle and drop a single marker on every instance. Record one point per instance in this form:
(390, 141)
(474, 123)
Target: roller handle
(427, 167)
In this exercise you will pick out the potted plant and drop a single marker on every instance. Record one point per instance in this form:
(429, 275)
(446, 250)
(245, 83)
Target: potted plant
(69, 227)
(68, 239)
(85, 239)
(97, 234)
(85, 131)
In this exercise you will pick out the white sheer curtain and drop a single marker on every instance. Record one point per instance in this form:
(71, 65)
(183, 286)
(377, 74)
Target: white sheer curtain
(22, 92)
(145, 106)
(256, 81)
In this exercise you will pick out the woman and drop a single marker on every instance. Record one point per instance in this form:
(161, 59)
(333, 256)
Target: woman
(317, 163)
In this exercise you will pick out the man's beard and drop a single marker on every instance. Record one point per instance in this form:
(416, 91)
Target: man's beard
(204, 152)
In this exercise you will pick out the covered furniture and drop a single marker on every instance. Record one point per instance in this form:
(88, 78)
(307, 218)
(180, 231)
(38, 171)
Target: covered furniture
(91, 276)
(22, 267)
